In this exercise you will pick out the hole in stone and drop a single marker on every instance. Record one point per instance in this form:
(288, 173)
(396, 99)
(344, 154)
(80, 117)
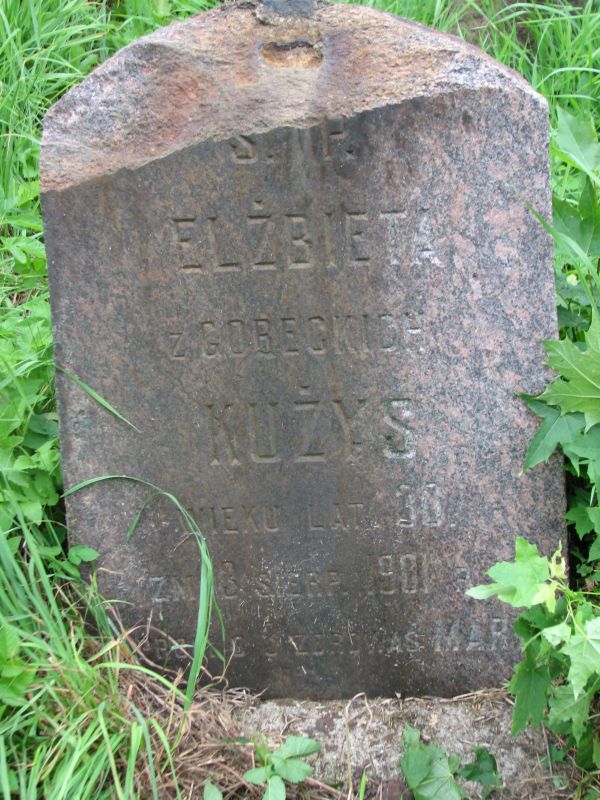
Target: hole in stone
(299, 53)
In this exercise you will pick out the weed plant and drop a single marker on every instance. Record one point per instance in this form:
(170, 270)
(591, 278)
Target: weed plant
(67, 726)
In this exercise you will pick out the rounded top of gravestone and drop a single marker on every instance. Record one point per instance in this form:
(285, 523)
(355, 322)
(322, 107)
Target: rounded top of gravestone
(245, 68)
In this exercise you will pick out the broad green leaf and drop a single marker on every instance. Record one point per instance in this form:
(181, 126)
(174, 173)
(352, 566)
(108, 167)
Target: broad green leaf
(297, 747)
(578, 516)
(565, 707)
(589, 211)
(555, 429)
(79, 553)
(257, 775)
(33, 511)
(521, 582)
(584, 651)
(537, 406)
(483, 591)
(546, 594)
(9, 642)
(293, 770)
(578, 387)
(9, 696)
(427, 770)
(594, 553)
(581, 222)
(49, 551)
(530, 684)
(587, 445)
(556, 634)
(593, 513)
(275, 789)
(212, 792)
(576, 142)
(484, 770)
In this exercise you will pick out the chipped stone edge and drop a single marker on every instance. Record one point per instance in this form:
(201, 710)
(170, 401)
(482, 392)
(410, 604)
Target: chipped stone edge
(469, 63)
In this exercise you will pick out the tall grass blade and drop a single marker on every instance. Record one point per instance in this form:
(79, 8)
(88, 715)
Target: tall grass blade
(95, 396)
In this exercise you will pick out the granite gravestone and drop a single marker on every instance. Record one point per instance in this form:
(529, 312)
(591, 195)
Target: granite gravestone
(296, 252)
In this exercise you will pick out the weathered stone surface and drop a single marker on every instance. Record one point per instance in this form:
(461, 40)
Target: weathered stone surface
(296, 253)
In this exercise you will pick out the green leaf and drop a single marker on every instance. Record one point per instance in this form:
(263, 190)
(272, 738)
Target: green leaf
(584, 651)
(257, 775)
(293, 770)
(530, 684)
(262, 752)
(9, 642)
(578, 387)
(587, 445)
(427, 769)
(594, 515)
(79, 553)
(589, 211)
(275, 789)
(212, 792)
(9, 696)
(483, 591)
(576, 142)
(594, 553)
(578, 515)
(297, 747)
(565, 707)
(579, 223)
(555, 429)
(519, 583)
(33, 511)
(556, 634)
(483, 770)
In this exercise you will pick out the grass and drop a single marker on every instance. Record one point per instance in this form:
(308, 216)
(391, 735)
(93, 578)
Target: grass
(75, 715)
(65, 729)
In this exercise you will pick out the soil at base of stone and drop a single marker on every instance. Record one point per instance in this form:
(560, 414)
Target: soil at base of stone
(366, 734)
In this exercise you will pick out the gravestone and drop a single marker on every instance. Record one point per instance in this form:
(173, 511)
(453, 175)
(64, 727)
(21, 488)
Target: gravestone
(295, 251)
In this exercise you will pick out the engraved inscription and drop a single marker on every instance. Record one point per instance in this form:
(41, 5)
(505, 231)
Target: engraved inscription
(307, 644)
(249, 518)
(316, 430)
(420, 506)
(233, 583)
(336, 517)
(243, 149)
(333, 139)
(188, 244)
(222, 435)
(220, 241)
(356, 224)
(399, 438)
(336, 140)
(335, 334)
(386, 576)
(300, 241)
(390, 643)
(465, 635)
(392, 575)
(260, 233)
(263, 238)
